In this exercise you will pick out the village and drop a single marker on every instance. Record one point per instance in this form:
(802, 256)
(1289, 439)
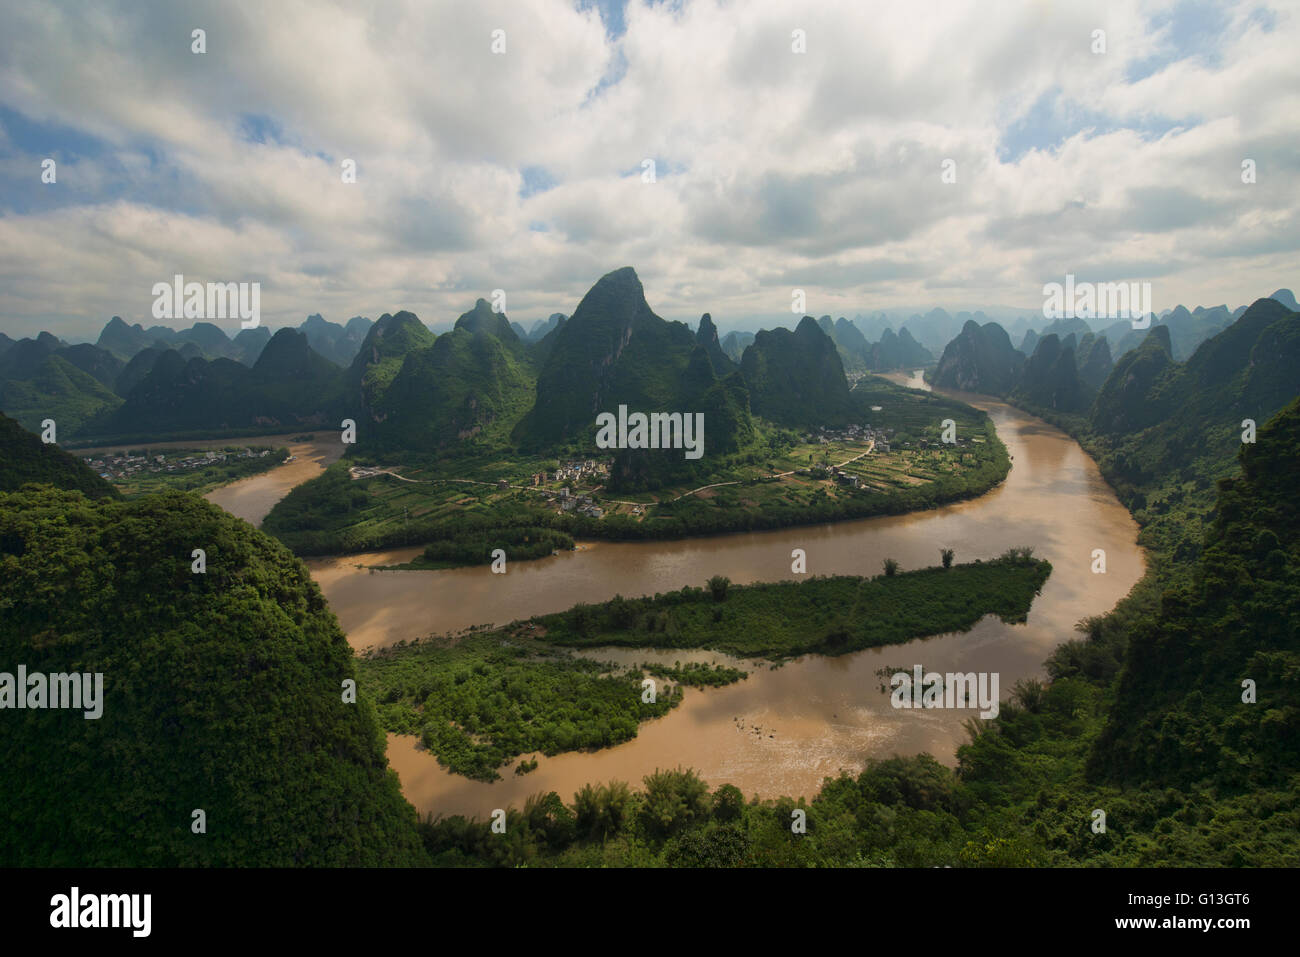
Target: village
(852, 433)
(123, 465)
(574, 473)
(859, 458)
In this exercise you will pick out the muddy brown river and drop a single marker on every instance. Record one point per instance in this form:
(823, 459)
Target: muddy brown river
(252, 498)
(781, 731)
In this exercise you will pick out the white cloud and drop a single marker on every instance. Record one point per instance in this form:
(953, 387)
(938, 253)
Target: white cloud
(774, 168)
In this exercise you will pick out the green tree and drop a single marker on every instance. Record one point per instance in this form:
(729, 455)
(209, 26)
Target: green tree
(728, 803)
(673, 801)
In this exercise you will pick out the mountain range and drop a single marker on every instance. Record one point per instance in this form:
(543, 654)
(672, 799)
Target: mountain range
(290, 386)
(446, 389)
(1077, 374)
(411, 390)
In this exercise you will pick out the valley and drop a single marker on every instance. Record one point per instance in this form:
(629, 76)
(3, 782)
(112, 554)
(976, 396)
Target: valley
(826, 713)
(619, 434)
(841, 723)
(770, 717)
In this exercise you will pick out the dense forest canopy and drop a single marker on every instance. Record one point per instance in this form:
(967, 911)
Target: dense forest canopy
(223, 691)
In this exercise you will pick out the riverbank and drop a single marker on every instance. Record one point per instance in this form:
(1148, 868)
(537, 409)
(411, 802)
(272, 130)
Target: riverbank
(477, 701)
(904, 459)
(824, 714)
(253, 498)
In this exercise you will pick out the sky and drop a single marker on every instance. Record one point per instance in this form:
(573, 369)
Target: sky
(524, 168)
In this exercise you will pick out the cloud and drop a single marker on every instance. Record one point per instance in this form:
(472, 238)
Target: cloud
(521, 170)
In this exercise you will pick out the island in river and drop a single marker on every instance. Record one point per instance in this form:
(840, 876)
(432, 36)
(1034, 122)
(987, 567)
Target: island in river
(823, 713)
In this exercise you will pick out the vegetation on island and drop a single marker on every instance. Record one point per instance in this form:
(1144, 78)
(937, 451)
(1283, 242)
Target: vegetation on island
(481, 701)
(819, 615)
(478, 701)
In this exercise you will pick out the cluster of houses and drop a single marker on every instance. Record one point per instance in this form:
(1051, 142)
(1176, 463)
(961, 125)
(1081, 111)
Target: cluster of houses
(576, 471)
(853, 433)
(845, 478)
(123, 465)
(582, 504)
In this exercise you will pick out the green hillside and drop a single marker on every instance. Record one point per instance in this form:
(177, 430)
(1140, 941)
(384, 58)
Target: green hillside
(55, 389)
(221, 691)
(380, 359)
(468, 384)
(612, 351)
(1179, 716)
(796, 378)
(25, 458)
(1164, 432)
(979, 359)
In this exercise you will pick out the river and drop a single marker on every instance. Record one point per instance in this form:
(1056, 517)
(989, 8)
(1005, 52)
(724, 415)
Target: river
(781, 731)
(252, 498)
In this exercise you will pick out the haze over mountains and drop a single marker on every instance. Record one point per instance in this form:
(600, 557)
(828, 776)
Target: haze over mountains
(545, 384)
(415, 390)
(1068, 365)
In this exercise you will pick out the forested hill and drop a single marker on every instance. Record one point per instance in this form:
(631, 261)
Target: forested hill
(25, 458)
(222, 691)
(1164, 432)
(979, 359)
(796, 378)
(613, 350)
(289, 386)
(1180, 718)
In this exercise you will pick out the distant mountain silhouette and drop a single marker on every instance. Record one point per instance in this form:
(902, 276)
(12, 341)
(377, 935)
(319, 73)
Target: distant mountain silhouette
(339, 344)
(1287, 298)
(542, 327)
(734, 344)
